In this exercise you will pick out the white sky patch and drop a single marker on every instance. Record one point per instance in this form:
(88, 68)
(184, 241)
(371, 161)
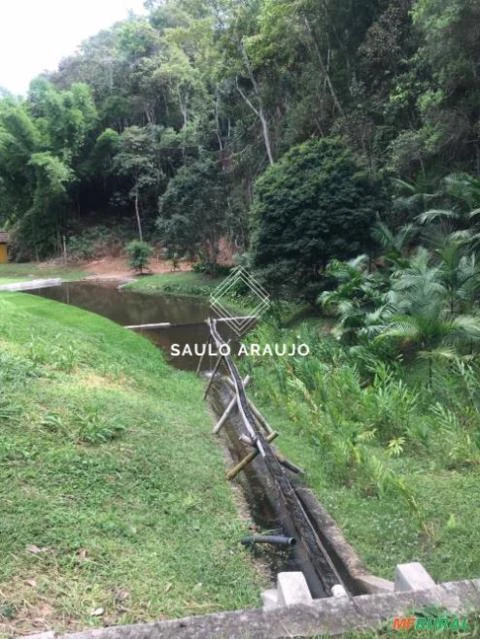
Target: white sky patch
(36, 34)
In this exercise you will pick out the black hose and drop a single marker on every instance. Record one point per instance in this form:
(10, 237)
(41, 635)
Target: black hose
(276, 540)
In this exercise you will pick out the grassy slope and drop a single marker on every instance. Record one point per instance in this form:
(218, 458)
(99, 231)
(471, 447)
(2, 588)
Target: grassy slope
(106, 462)
(13, 272)
(382, 530)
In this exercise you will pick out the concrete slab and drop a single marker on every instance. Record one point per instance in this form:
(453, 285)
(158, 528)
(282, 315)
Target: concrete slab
(30, 285)
(372, 584)
(412, 576)
(270, 599)
(293, 589)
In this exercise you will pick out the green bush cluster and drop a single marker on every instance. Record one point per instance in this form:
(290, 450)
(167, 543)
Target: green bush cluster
(139, 254)
(314, 204)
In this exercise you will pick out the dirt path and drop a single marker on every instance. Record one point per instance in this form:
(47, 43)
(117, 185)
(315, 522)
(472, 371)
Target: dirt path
(117, 267)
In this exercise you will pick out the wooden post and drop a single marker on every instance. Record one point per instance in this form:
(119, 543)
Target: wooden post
(229, 408)
(231, 474)
(260, 418)
(214, 372)
(199, 367)
(286, 463)
(243, 409)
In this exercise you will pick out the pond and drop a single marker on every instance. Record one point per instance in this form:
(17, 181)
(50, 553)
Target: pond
(129, 308)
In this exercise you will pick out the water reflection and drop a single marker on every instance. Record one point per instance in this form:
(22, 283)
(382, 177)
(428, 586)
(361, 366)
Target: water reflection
(130, 308)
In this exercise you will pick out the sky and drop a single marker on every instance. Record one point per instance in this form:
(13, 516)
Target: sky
(36, 34)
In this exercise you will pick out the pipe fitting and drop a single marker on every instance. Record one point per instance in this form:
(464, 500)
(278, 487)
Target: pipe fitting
(275, 540)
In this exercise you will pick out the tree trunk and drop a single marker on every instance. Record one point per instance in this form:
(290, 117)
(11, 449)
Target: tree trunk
(259, 112)
(324, 68)
(218, 131)
(137, 213)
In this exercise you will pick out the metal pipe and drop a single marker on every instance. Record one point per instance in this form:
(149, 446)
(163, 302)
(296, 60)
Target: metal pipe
(275, 540)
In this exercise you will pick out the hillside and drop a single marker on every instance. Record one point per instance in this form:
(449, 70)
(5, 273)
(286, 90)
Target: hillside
(114, 502)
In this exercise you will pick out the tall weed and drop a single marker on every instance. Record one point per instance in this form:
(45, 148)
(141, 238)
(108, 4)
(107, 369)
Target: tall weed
(363, 415)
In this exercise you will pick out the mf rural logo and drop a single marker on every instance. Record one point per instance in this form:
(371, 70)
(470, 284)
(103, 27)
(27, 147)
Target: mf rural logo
(434, 624)
(240, 280)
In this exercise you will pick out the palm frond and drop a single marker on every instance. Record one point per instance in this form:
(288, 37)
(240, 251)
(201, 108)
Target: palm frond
(466, 327)
(404, 327)
(435, 214)
(442, 352)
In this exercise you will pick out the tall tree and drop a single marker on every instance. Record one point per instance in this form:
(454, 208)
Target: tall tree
(137, 161)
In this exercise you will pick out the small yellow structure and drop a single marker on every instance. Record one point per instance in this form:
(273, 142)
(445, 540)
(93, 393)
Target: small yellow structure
(3, 247)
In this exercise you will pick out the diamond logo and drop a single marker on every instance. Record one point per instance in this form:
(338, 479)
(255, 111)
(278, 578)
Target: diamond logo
(219, 298)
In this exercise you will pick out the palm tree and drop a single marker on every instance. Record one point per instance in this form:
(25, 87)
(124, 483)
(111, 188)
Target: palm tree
(395, 244)
(420, 310)
(358, 292)
(462, 193)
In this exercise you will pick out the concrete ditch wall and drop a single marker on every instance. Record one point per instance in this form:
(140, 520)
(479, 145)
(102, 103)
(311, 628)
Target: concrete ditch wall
(257, 486)
(332, 617)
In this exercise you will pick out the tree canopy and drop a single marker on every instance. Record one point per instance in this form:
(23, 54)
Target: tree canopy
(314, 204)
(240, 87)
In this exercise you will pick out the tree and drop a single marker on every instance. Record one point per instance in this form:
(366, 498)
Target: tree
(19, 139)
(313, 205)
(357, 294)
(193, 211)
(137, 160)
(426, 305)
(40, 142)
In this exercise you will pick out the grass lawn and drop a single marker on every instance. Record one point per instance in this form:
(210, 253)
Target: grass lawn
(113, 502)
(382, 530)
(12, 272)
(179, 283)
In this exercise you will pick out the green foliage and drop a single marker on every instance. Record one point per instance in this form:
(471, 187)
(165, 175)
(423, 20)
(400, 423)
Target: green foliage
(178, 283)
(40, 141)
(193, 211)
(425, 304)
(98, 242)
(139, 254)
(387, 450)
(314, 204)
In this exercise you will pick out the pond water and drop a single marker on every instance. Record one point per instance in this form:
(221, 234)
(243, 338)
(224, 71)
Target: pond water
(129, 308)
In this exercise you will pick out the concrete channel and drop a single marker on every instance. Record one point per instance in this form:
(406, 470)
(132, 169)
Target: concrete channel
(269, 513)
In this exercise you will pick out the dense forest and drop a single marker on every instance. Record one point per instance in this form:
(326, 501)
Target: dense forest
(292, 128)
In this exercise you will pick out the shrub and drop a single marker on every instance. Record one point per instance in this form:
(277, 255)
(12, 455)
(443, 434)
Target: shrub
(139, 254)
